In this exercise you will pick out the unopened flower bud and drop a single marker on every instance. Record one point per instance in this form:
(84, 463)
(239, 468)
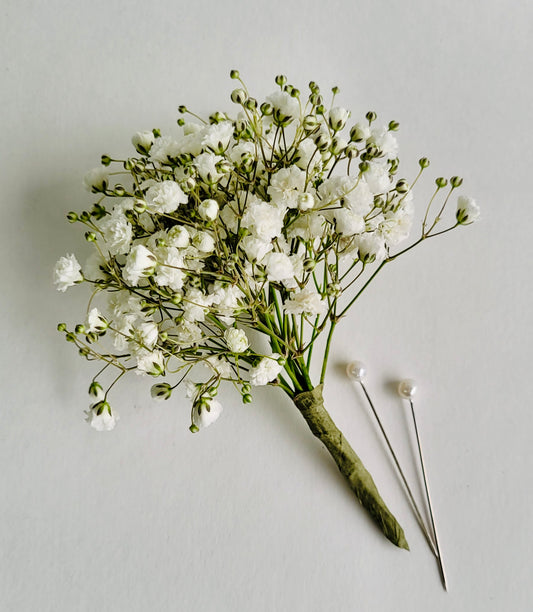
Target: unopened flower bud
(139, 206)
(441, 182)
(161, 391)
(310, 123)
(402, 186)
(72, 217)
(281, 79)
(238, 96)
(79, 329)
(193, 428)
(281, 360)
(90, 237)
(266, 109)
(309, 265)
(456, 181)
(364, 167)
(234, 74)
(247, 398)
(393, 126)
(371, 116)
(119, 190)
(423, 162)
(96, 390)
(61, 327)
(182, 109)
(351, 151)
(106, 160)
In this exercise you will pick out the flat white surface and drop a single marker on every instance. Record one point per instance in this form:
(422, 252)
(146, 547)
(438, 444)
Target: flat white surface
(252, 515)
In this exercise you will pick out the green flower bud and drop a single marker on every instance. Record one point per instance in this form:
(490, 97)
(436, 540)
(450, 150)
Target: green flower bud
(282, 361)
(251, 104)
(119, 190)
(139, 206)
(95, 389)
(456, 181)
(180, 121)
(182, 109)
(266, 109)
(402, 186)
(364, 167)
(84, 351)
(193, 428)
(234, 74)
(247, 398)
(393, 126)
(281, 79)
(441, 182)
(72, 217)
(351, 151)
(90, 236)
(309, 265)
(85, 216)
(80, 329)
(70, 337)
(371, 116)
(423, 162)
(106, 160)
(61, 327)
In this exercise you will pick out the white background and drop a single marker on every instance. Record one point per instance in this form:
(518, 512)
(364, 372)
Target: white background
(251, 514)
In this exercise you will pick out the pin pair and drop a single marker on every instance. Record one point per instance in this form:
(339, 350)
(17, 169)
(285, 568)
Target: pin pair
(356, 371)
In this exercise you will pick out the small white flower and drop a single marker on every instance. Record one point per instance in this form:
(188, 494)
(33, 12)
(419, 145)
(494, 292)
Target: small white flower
(264, 220)
(347, 223)
(147, 334)
(279, 267)
(165, 197)
(266, 370)
(208, 210)
(338, 118)
(467, 210)
(385, 140)
(143, 141)
(204, 242)
(101, 417)
(306, 201)
(286, 186)
(139, 262)
(118, 233)
(178, 236)
(206, 166)
(188, 334)
(286, 106)
(96, 180)
(255, 248)
(371, 247)
(164, 149)
(205, 412)
(96, 322)
(67, 272)
(150, 362)
(236, 340)
(220, 366)
(169, 270)
(377, 178)
(307, 302)
(218, 136)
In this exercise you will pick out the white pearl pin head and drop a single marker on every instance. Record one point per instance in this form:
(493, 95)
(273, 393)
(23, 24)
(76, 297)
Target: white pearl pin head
(356, 370)
(407, 388)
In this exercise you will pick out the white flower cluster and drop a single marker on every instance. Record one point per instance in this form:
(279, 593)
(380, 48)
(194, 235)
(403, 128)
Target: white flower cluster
(262, 222)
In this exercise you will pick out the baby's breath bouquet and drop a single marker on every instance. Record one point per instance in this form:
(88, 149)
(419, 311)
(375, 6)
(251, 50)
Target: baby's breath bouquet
(235, 246)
